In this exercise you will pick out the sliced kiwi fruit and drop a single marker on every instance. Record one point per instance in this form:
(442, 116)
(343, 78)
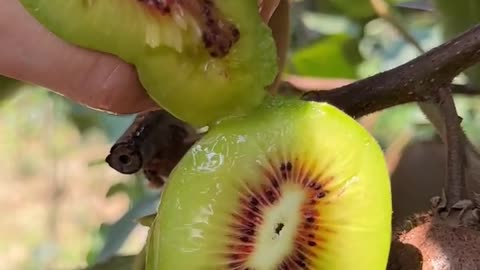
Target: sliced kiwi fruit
(201, 60)
(292, 185)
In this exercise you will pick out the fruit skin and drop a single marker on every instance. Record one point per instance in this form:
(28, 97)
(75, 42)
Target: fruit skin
(201, 190)
(173, 64)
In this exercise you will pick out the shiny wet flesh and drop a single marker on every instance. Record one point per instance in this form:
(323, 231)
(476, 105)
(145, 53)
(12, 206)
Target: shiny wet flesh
(278, 226)
(218, 34)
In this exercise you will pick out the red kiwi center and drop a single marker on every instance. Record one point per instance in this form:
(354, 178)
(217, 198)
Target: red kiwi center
(278, 225)
(217, 33)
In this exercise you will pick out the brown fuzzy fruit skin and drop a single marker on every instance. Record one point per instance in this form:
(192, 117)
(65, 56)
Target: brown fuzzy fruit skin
(439, 247)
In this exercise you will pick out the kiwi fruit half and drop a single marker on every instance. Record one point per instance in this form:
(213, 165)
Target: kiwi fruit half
(201, 60)
(292, 185)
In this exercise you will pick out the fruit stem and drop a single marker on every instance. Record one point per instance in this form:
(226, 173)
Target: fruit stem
(155, 141)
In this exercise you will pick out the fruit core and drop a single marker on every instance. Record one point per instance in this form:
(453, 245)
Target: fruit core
(217, 33)
(278, 226)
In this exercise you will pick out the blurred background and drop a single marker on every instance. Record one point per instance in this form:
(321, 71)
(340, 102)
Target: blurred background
(63, 207)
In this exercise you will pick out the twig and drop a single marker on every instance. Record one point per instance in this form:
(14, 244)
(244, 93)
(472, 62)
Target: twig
(307, 84)
(416, 80)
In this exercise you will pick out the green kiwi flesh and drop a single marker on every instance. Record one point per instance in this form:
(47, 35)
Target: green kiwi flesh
(201, 60)
(292, 185)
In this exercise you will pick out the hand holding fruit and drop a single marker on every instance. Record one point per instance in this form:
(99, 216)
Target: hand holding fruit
(29, 52)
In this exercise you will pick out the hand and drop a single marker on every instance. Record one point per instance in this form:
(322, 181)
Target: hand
(30, 53)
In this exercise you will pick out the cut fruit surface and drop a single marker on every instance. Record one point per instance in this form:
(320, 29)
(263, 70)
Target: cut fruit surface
(200, 59)
(293, 185)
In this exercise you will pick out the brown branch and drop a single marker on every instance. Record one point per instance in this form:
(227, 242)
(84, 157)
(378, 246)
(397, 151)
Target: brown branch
(152, 139)
(301, 84)
(416, 80)
(462, 89)
(455, 180)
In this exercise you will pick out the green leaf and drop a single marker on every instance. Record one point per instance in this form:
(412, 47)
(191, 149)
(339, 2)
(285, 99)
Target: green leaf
(333, 57)
(8, 87)
(354, 8)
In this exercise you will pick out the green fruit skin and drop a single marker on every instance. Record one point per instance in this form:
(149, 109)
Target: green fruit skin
(177, 73)
(201, 190)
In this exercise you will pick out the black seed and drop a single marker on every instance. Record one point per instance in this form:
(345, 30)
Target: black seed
(250, 215)
(270, 196)
(279, 228)
(311, 243)
(207, 40)
(301, 256)
(282, 167)
(318, 187)
(320, 194)
(289, 166)
(245, 239)
(310, 219)
(210, 22)
(300, 263)
(254, 201)
(311, 235)
(250, 232)
(235, 33)
(275, 183)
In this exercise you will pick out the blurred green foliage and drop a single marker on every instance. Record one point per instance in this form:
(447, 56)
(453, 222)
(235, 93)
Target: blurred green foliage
(8, 87)
(330, 39)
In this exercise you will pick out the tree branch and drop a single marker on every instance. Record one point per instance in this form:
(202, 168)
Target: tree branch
(454, 140)
(301, 84)
(416, 80)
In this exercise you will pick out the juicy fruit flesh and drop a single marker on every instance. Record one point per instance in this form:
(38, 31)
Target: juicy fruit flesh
(294, 185)
(218, 35)
(277, 233)
(201, 60)
(279, 222)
